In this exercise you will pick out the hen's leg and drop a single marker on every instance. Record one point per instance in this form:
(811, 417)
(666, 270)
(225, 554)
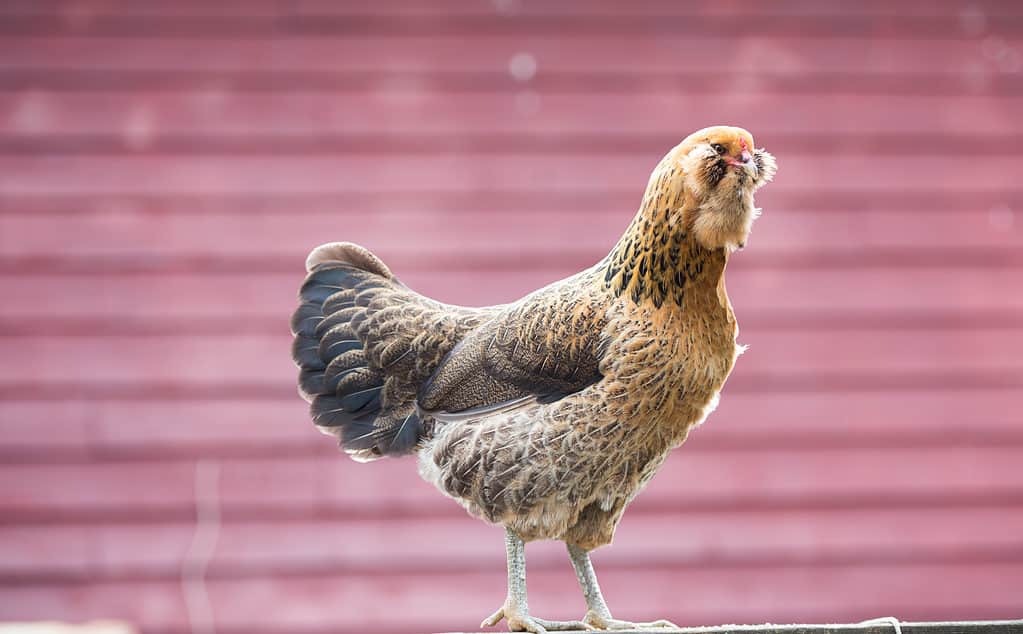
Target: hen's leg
(597, 614)
(516, 609)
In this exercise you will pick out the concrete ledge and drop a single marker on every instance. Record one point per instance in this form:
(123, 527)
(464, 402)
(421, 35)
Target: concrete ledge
(879, 626)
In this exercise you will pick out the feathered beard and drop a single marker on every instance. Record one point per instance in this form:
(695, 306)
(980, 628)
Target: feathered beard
(725, 215)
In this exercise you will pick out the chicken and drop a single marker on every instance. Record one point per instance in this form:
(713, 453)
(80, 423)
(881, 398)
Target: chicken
(548, 415)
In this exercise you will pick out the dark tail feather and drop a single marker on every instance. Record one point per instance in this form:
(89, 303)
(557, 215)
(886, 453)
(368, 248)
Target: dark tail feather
(347, 396)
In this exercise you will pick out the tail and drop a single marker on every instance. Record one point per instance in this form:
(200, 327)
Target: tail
(346, 393)
(364, 342)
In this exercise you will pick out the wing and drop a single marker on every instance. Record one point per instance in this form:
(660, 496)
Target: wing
(542, 348)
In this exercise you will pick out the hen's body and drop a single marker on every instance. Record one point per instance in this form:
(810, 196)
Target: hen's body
(550, 414)
(566, 469)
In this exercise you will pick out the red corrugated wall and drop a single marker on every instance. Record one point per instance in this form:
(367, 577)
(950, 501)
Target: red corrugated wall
(166, 166)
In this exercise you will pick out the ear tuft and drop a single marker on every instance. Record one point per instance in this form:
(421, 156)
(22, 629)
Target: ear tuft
(695, 165)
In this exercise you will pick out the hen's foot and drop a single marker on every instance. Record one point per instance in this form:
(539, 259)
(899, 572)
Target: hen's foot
(523, 622)
(597, 622)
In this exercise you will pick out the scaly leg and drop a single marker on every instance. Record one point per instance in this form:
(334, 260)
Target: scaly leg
(516, 609)
(597, 614)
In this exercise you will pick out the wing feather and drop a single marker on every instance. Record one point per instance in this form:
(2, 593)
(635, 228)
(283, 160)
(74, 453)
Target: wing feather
(540, 349)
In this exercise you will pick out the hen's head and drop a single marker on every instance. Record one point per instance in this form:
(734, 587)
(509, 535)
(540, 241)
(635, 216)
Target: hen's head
(723, 155)
(699, 198)
(720, 168)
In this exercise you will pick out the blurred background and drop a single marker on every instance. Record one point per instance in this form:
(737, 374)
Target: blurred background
(166, 166)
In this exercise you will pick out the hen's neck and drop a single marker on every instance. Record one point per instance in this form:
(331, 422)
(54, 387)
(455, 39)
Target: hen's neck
(658, 259)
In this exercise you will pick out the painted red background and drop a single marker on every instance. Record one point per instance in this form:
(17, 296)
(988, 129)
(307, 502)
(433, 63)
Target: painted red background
(166, 166)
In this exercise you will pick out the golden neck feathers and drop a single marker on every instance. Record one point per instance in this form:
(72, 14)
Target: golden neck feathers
(658, 258)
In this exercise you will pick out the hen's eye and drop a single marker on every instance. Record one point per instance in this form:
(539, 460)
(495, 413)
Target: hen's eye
(720, 149)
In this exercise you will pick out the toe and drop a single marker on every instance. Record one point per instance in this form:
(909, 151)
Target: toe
(523, 622)
(526, 624)
(654, 624)
(562, 626)
(493, 619)
(603, 623)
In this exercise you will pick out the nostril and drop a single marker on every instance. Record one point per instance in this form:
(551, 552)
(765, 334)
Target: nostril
(746, 157)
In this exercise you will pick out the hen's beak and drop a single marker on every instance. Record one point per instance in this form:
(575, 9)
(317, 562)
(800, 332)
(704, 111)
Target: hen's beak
(744, 161)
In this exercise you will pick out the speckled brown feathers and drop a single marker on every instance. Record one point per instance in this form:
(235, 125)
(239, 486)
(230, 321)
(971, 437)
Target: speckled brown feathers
(550, 414)
(544, 347)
